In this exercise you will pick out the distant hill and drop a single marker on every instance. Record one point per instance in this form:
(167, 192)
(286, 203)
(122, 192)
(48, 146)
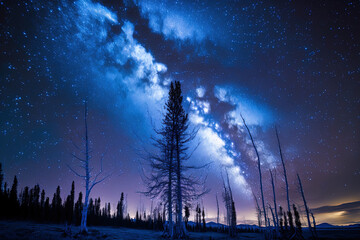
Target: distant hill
(240, 226)
(355, 225)
(245, 226)
(325, 225)
(214, 224)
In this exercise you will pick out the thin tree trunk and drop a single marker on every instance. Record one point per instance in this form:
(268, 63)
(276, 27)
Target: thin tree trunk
(305, 204)
(275, 205)
(171, 233)
(218, 212)
(259, 167)
(180, 225)
(258, 209)
(273, 216)
(284, 168)
(89, 184)
(83, 227)
(314, 224)
(226, 197)
(232, 213)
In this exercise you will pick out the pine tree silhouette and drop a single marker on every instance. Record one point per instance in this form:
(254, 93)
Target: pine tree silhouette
(78, 209)
(13, 198)
(297, 219)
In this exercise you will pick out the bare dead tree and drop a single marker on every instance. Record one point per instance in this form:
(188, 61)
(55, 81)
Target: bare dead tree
(276, 219)
(226, 199)
(233, 210)
(230, 206)
(90, 180)
(305, 204)
(258, 210)
(314, 223)
(259, 168)
(273, 215)
(218, 211)
(284, 169)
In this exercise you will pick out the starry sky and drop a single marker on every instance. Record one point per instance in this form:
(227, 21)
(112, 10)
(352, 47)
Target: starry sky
(290, 64)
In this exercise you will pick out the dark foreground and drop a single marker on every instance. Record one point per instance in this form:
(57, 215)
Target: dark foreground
(28, 230)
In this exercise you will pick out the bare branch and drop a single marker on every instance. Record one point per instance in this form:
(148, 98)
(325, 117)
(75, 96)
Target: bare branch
(77, 174)
(80, 159)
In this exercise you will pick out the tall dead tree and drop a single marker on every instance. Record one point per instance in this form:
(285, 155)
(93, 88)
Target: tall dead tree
(230, 207)
(305, 204)
(284, 169)
(218, 212)
(258, 210)
(90, 180)
(259, 168)
(227, 201)
(273, 215)
(314, 223)
(276, 219)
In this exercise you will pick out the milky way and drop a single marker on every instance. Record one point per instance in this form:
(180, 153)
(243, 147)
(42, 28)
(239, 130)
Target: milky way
(291, 65)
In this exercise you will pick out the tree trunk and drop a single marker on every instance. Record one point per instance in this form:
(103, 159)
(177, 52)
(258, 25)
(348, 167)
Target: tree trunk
(218, 212)
(180, 230)
(83, 227)
(259, 168)
(275, 205)
(171, 227)
(314, 224)
(305, 204)
(284, 168)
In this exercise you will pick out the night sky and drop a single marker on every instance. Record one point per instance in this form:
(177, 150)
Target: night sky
(293, 64)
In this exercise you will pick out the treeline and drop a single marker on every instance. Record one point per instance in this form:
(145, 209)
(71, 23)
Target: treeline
(32, 204)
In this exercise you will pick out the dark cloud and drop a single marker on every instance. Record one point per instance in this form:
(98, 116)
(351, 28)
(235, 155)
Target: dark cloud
(350, 208)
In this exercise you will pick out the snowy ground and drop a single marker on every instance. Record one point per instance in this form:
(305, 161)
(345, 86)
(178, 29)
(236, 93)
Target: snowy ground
(27, 230)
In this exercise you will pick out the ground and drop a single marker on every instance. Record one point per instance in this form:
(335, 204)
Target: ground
(20, 230)
(29, 230)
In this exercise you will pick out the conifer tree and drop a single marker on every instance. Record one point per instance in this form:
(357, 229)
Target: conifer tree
(281, 213)
(285, 222)
(56, 205)
(1, 180)
(42, 205)
(297, 219)
(2, 193)
(168, 179)
(47, 209)
(120, 208)
(137, 217)
(78, 209)
(69, 205)
(34, 202)
(291, 222)
(24, 205)
(203, 219)
(13, 198)
(187, 214)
